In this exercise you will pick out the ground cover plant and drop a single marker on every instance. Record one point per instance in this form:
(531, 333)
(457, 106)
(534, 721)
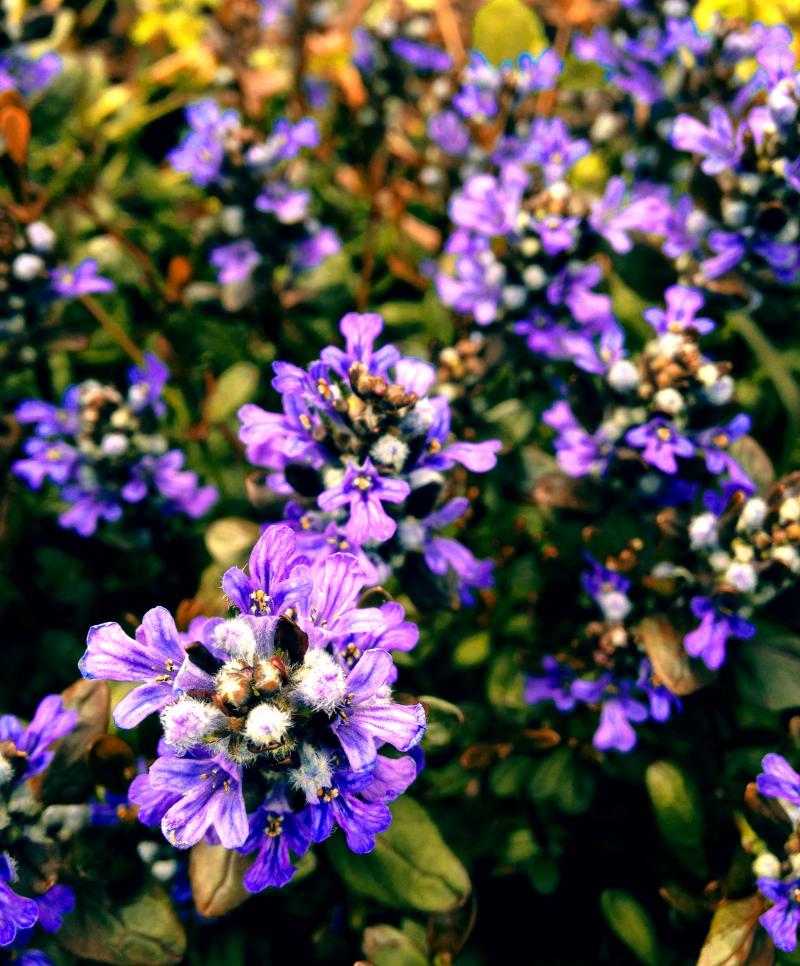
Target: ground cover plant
(400, 491)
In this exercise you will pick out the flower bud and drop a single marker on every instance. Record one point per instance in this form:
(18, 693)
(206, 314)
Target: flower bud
(267, 724)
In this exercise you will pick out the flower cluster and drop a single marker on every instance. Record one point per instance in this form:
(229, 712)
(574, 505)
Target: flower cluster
(779, 881)
(525, 238)
(605, 668)
(30, 282)
(360, 437)
(660, 444)
(265, 221)
(105, 451)
(274, 721)
(742, 78)
(29, 893)
(20, 68)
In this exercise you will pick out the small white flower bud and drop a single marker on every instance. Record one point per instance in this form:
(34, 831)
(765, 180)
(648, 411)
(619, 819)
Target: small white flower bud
(389, 451)
(767, 866)
(741, 576)
(314, 773)
(114, 444)
(267, 724)
(188, 722)
(668, 401)
(790, 509)
(236, 638)
(320, 681)
(534, 277)
(787, 556)
(721, 392)
(623, 376)
(26, 267)
(719, 561)
(753, 514)
(703, 531)
(41, 236)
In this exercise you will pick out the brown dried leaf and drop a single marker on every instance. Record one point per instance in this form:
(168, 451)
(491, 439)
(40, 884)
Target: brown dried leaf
(730, 939)
(671, 664)
(216, 877)
(69, 779)
(15, 130)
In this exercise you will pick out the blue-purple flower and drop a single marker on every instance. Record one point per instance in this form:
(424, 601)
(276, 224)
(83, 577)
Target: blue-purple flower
(291, 699)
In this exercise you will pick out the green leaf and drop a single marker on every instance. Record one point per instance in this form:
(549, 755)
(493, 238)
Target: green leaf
(444, 720)
(146, 929)
(678, 812)
(472, 650)
(559, 778)
(768, 669)
(386, 946)
(411, 866)
(236, 386)
(505, 686)
(504, 29)
(507, 777)
(230, 540)
(733, 929)
(631, 924)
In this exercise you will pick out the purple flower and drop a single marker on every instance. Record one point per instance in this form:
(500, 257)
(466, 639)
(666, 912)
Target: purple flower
(87, 509)
(45, 459)
(69, 283)
(618, 710)
(147, 384)
(444, 555)
(276, 578)
(50, 722)
(729, 250)
(360, 331)
(287, 204)
(477, 288)
(779, 779)
(275, 830)
(152, 660)
(447, 130)
(549, 145)
(683, 304)
(608, 589)
(315, 249)
(425, 57)
(662, 702)
(720, 145)
(613, 221)
(180, 488)
(717, 624)
(661, 443)
(210, 793)
(557, 234)
(715, 443)
(16, 912)
(539, 73)
(339, 803)
(235, 262)
(201, 153)
(579, 452)
(57, 902)
(554, 686)
(368, 716)
(782, 920)
(489, 206)
(365, 492)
